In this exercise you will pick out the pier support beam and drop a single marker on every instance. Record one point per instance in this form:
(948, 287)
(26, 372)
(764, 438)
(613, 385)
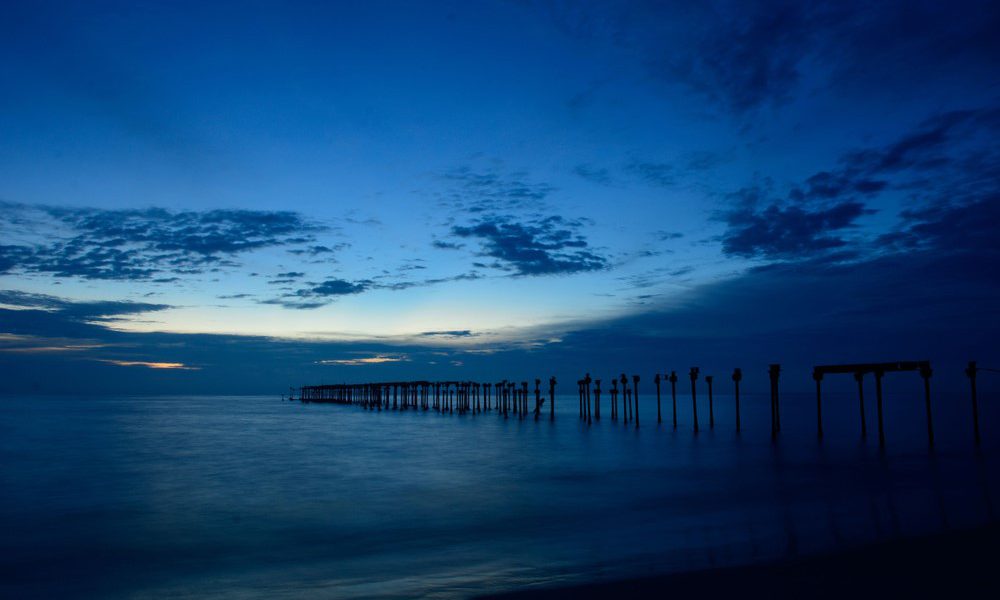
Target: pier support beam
(673, 394)
(970, 372)
(878, 403)
(694, 398)
(773, 372)
(635, 396)
(818, 378)
(737, 377)
(925, 374)
(659, 416)
(711, 409)
(552, 398)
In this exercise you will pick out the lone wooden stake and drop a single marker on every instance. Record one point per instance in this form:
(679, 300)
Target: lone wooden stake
(673, 394)
(818, 377)
(552, 398)
(694, 399)
(635, 395)
(878, 402)
(859, 376)
(711, 410)
(971, 371)
(656, 380)
(597, 399)
(925, 373)
(737, 377)
(773, 372)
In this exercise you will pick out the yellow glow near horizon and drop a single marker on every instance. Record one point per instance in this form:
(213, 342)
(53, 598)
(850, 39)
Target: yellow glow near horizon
(149, 365)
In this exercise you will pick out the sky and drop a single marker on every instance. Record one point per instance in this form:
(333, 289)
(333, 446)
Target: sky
(238, 197)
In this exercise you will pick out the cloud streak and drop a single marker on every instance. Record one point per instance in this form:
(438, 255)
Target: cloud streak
(141, 244)
(542, 246)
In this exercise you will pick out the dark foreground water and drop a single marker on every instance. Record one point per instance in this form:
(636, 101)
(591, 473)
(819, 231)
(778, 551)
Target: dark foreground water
(254, 497)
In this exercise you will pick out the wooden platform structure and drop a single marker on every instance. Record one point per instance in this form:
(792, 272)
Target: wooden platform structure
(509, 396)
(443, 396)
(859, 370)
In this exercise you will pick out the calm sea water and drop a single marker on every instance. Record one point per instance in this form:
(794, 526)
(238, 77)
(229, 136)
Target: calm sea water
(254, 497)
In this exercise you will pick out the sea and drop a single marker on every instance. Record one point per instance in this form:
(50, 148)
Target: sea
(261, 497)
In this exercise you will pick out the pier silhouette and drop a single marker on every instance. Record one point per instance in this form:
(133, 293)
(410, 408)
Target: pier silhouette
(504, 397)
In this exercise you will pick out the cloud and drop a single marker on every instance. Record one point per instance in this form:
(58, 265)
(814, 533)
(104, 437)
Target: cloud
(746, 56)
(338, 287)
(368, 360)
(492, 190)
(593, 174)
(947, 227)
(542, 246)
(789, 232)
(319, 294)
(319, 250)
(456, 333)
(139, 244)
(440, 245)
(405, 285)
(661, 174)
(148, 364)
(77, 310)
(947, 165)
(33, 344)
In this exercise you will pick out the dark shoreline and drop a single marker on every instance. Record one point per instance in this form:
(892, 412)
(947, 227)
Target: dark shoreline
(955, 563)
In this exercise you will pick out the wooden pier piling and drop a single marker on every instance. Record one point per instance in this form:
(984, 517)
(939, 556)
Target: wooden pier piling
(818, 378)
(597, 399)
(737, 377)
(971, 372)
(711, 409)
(773, 372)
(673, 394)
(635, 395)
(659, 416)
(694, 398)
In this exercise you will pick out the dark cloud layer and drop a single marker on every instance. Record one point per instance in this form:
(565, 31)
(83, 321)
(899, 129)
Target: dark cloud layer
(478, 191)
(78, 310)
(543, 246)
(319, 294)
(947, 166)
(744, 56)
(143, 243)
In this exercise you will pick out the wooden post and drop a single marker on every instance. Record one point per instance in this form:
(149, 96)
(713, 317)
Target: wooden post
(970, 372)
(818, 377)
(614, 399)
(524, 399)
(597, 399)
(552, 398)
(774, 371)
(538, 397)
(673, 394)
(878, 402)
(626, 400)
(925, 374)
(635, 396)
(737, 377)
(656, 380)
(859, 377)
(694, 398)
(586, 396)
(711, 410)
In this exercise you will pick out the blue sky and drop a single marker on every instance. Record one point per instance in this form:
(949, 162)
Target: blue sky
(373, 190)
